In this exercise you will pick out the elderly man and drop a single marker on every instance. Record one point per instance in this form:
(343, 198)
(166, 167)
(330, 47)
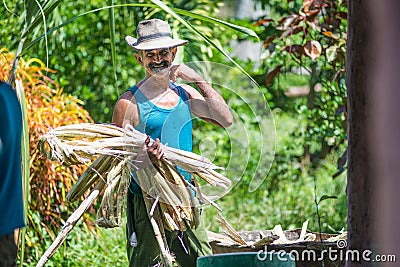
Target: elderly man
(162, 109)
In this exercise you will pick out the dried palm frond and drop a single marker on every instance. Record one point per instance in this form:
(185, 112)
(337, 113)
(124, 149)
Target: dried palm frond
(114, 148)
(168, 197)
(230, 231)
(111, 208)
(97, 170)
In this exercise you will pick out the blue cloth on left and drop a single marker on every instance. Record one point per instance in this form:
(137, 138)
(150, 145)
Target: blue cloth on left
(11, 205)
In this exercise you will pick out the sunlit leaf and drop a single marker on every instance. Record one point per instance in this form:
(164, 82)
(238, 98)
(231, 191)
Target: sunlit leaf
(112, 37)
(268, 40)
(328, 33)
(331, 35)
(271, 75)
(32, 43)
(38, 14)
(263, 22)
(298, 50)
(25, 160)
(313, 49)
(216, 21)
(285, 22)
(312, 13)
(311, 5)
(324, 197)
(331, 53)
(8, 10)
(342, 15)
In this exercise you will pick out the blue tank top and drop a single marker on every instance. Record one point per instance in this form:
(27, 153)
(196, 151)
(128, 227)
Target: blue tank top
(172, 126)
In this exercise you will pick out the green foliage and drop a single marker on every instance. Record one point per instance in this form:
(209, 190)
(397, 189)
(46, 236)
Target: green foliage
(47, 107)
(313, 38)
(81, 51)
(104, 247)
(287, 196)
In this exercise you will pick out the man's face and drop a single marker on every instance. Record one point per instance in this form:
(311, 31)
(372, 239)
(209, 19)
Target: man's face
(157, 60)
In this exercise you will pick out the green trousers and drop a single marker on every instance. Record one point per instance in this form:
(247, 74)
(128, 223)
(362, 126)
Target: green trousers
(185, 246)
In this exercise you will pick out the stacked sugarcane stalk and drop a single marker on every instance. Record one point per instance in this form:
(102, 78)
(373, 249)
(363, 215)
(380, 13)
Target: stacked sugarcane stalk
(175, 200)
(112, 150)
(117, 147)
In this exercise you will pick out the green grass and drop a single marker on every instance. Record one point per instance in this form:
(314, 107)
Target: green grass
(289, 79)
(82, 248)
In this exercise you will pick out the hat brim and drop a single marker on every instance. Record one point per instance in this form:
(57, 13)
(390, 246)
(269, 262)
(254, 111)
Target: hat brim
(157, 43)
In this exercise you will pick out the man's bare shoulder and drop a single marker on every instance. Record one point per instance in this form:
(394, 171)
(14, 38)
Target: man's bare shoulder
(127, 96)
(192, 92)
(125, 111)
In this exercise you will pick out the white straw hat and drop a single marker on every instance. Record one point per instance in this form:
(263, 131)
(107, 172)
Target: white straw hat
(153, 34)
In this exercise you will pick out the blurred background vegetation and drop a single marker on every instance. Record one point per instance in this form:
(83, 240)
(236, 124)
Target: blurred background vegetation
(298, 64)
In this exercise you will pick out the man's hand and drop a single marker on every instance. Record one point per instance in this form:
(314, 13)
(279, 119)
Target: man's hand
(184, 72)
(207, 104)
(149, 153)
(154, 151)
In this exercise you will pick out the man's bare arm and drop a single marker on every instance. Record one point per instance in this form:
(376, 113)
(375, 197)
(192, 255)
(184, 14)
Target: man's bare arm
(125, 111)
(209, 105)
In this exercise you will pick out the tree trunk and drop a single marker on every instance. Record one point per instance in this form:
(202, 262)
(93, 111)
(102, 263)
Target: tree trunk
(359, 177)
(310, 106)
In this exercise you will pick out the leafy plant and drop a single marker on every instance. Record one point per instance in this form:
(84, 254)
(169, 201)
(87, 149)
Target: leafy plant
(47, 107)
(313, 39)
(287, 195)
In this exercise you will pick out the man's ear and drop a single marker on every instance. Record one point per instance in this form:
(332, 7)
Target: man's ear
(173, 51)
(139, 58)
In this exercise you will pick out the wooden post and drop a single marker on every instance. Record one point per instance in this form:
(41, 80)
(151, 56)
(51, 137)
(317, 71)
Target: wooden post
(373, 81)
(385, 127)
(70, 223)
(154, 214)
(359, 106)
